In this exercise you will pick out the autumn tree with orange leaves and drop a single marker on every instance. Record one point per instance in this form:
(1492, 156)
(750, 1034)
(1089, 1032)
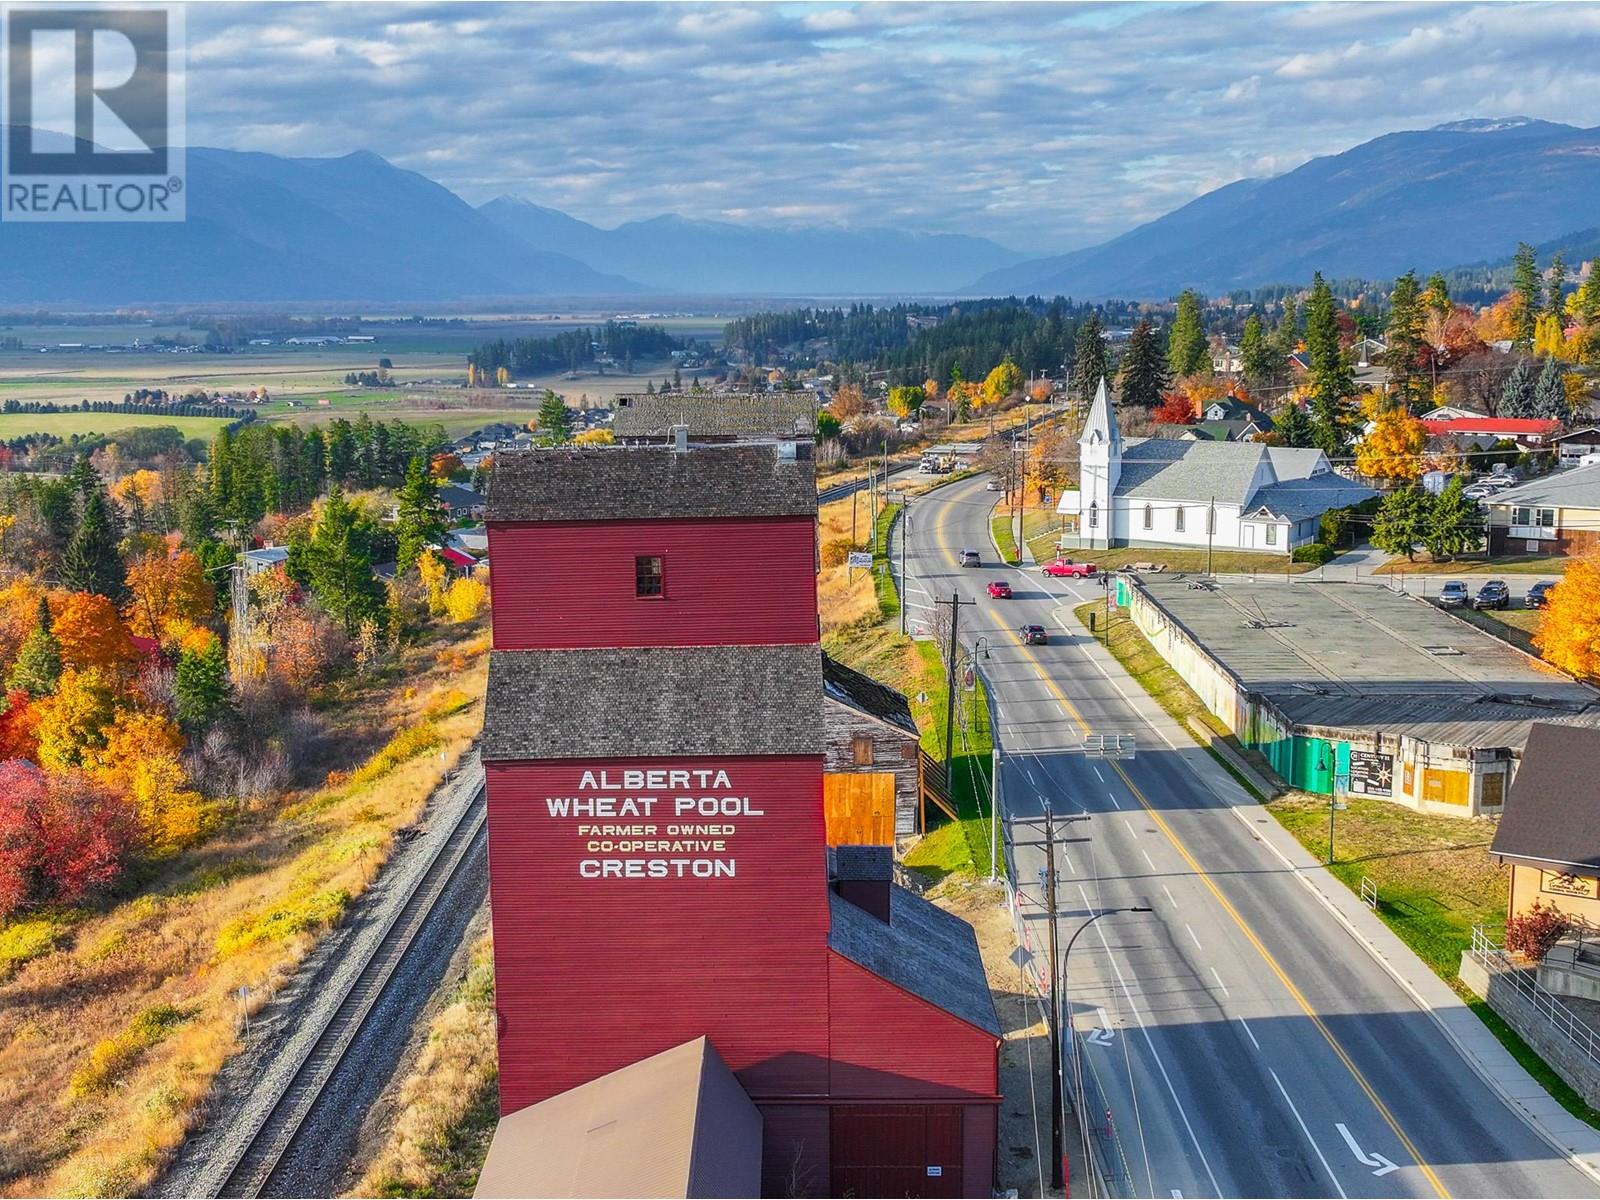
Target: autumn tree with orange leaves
(167, 592)
(1569, 630)
(1393, 447)
(91, 633)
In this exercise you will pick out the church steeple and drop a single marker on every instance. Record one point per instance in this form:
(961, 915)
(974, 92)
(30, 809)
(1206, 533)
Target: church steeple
(1101, 427)
(1100, 466)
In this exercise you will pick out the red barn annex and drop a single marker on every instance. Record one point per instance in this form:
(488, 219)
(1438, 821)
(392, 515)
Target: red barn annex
(658, 864)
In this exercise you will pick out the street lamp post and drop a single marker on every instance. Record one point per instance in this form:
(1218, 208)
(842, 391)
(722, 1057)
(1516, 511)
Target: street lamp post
(1060, 991)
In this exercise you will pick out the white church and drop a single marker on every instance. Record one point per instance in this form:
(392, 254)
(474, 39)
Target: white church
(1172, 493)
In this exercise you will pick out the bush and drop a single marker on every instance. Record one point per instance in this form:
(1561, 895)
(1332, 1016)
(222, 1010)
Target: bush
(1313, 552)
(836, 552)
(111, 1057)
(1535, 933)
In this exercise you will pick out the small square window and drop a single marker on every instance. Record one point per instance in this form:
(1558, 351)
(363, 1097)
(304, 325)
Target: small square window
(649, 579)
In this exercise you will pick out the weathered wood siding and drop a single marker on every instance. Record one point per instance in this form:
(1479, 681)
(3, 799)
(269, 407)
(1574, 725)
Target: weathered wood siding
(893, 752)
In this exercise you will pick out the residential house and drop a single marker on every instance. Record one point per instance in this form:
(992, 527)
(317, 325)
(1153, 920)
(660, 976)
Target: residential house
(1527, 432)
(1554, 514)
(1572, 446)
(1179, 493)
(266, 558)
(1549, 834)
(461, 503)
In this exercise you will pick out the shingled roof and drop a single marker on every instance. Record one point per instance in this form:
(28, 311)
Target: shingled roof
(653, 702)
(1551, 816)
(650, 483)
(716, 414)
(867, 695)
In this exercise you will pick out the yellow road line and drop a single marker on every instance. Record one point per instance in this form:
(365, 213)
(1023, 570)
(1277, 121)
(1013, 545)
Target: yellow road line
(1227, 906)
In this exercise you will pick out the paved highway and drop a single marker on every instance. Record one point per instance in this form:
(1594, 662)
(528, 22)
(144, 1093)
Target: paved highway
(1238, 1040)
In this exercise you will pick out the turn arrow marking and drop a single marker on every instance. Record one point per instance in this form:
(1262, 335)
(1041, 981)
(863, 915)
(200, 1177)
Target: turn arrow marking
(1103, 1035)
(1383, 1165)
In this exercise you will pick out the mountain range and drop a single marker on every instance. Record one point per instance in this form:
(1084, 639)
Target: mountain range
(263, 228)
(1463, 192)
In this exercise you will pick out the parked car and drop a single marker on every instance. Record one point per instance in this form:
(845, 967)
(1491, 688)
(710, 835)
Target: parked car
(1034, 635)
(1066, 568)
(1480, 491)
(1539, 594)
(1454, 595)
(971, 558)
(1494, 594)
(999, 589)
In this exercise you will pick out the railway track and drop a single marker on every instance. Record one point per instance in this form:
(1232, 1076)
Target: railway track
(840, 490)
(253, 1161)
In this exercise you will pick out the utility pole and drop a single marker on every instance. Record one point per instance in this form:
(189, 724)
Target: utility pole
(905, 536)
(955, 602)
(1057, 1167)
(1211, 531)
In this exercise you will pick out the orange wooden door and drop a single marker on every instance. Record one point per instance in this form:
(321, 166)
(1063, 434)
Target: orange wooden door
(859, 809)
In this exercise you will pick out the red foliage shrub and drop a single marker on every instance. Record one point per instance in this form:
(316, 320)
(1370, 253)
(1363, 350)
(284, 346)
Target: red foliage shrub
(1536, 931)
(19, 727)
(61, 836)
(1176, 409)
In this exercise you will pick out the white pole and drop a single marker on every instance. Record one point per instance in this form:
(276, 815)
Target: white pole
(994, 817)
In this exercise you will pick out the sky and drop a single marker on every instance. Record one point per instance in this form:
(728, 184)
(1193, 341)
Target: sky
(1042, 126)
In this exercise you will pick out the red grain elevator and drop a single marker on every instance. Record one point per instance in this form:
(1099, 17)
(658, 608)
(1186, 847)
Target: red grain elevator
(658, 864)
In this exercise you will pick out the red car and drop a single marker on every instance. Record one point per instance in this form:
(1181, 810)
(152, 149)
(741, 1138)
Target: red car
(1000, 590)
(1065, 567)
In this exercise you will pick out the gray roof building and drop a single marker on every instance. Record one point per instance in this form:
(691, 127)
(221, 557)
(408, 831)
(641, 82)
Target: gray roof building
(1551, 818)
(1576, 488)
(867, 695)
(653, 702)
(716, 415)
(645, 483)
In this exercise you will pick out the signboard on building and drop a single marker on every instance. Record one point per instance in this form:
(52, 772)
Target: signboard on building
(1558, 883)
(1371, 774)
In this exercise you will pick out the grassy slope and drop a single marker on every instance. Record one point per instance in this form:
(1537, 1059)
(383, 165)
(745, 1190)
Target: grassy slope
(64, 425)
(1434, 877)
(1510, 564)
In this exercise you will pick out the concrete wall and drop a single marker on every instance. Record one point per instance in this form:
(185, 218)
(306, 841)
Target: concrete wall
(1549, 1043)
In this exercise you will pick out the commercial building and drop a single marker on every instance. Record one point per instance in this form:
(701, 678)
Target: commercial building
(1550, 835)
(659, 869)
(1183, 492)
(1355, 689)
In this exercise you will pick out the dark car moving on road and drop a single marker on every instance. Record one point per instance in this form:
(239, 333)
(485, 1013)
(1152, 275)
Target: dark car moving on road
(1454, 595)
(1494, 594)
(1539, 594)
(1034, 635)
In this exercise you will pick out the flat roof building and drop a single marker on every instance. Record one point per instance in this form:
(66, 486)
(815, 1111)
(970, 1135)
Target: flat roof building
(1355, 688)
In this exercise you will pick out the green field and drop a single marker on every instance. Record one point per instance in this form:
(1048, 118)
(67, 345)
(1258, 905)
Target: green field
(64, 425)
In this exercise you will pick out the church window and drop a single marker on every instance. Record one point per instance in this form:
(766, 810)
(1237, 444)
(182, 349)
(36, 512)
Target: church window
(1149, 517)
(1177, 518)
(1094, 514)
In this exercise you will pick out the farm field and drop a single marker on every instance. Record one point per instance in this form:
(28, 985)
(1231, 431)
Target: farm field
(65, 425)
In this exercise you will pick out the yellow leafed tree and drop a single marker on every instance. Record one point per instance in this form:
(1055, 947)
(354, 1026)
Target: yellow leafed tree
(1394, 448)
(1569, 631)
(142, 759)
(466, 599)
(74, 719)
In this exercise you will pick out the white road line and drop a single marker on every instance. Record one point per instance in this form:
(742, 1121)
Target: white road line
(1129, 824)
(1068, 861)
(1156, 1054)
(1147, 858)
(1170, 899)
(1194, 939)
(1249, 1033)
(1307, 1132)
(1218, 978)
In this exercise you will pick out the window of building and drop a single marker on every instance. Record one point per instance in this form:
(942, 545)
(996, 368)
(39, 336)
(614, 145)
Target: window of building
(1177, 518)
(1272, 535)
(1520, 515)
(908, 751)
(1545, 516)
(1149, 517)
(1094, 514)
(649, 577)
(861, 750)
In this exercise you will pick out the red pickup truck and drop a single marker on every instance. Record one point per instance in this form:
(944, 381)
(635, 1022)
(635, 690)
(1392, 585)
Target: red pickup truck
(1066, 568)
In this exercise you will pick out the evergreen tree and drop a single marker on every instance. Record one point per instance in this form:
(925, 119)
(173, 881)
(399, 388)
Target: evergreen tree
(1437, 297)
(1454, 523)
(1186, 344)
(1558, 281)
(554, 424)
(1259, 356)
(38, 665)
(1402, 521)
(1550, 392)
(338, 563)
(1516, 397)
(200, 690)
(1329, 378)
(1089, 363)
(1525, 291)
(341, 451)
(91, 562)
(419, 517)
(1286, 334)
(1404, 333)
(1144, 370)
(1293, 425)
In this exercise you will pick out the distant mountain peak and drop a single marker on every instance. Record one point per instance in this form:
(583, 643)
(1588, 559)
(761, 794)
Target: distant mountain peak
(1486, 125)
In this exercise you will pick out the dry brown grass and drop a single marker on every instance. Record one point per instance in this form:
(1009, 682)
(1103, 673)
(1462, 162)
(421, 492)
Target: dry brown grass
(165, 949)
(449, 1102)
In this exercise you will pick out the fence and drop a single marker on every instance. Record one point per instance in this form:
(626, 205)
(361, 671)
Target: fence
(1561, 1018)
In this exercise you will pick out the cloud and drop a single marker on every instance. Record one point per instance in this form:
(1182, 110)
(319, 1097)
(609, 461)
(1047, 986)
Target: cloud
(1042, 126)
